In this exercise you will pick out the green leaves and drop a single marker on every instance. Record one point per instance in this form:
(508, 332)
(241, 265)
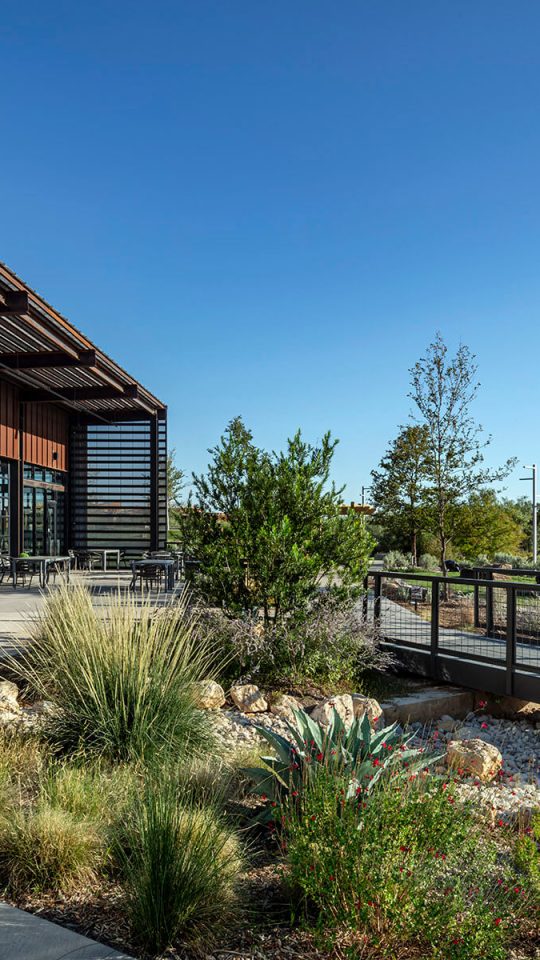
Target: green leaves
(360, 755)
(267, 527)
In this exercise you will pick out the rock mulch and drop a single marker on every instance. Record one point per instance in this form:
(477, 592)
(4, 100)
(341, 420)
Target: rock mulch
(515, 789)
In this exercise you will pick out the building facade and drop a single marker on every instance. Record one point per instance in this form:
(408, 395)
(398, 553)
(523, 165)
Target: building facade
(83, 445)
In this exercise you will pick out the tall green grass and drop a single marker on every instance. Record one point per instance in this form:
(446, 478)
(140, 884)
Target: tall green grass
(181, 863)
(44, 848)
(122, 677)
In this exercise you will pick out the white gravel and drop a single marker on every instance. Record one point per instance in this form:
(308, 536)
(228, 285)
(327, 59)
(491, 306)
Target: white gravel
(516, 789)
(238, 730)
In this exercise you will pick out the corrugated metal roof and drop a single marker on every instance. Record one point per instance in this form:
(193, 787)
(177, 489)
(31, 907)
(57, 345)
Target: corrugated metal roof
(44, 330)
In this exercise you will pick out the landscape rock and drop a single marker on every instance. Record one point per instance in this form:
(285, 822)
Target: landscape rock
(343, 704)
(363, 705)
(447, 724)
(9, 695)
(474, 758)
(210, 695)
(282, 705)
(248, 698)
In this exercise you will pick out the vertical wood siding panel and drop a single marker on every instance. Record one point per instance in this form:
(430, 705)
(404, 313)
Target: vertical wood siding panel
(46, 432)
(8, 421)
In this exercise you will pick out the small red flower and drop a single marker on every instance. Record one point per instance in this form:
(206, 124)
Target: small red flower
(482, 703)
(497, 921)
(484, 726)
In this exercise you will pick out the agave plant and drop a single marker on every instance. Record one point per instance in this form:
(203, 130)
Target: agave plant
(360, 754)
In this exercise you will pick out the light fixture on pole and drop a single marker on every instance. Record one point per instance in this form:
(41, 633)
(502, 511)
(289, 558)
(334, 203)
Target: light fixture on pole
(532, 466)
(364, 489)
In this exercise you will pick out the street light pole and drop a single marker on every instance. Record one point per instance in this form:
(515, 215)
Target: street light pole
(534, 510)
(364, 494)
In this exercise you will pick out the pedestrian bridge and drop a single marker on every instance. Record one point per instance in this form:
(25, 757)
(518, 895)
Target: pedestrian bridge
(479, 633)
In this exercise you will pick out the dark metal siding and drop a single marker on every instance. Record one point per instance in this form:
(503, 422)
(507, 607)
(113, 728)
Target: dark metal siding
(117, 498)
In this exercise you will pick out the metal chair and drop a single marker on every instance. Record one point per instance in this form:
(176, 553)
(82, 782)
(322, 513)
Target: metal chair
(26, 570)
(151, 575)
(85, 560)
(5, 569)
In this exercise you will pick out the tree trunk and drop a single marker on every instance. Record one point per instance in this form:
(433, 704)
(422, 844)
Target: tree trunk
(414, 549)
(443, 543)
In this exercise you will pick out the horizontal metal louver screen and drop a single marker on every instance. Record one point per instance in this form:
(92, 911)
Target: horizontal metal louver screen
(118, 486)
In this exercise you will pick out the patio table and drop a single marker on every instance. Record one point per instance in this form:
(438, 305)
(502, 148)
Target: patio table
(167, 563)
(43, 563)
(104, 552)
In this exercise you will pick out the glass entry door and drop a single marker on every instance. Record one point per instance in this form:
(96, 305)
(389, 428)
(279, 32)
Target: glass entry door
(52, 545)
(43, 513)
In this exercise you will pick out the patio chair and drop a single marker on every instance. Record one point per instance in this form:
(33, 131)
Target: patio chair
(26, 571)
(151, 575)
(85, 560)
(5, 569)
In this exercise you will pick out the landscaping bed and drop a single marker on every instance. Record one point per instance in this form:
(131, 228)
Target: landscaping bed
(152, 809)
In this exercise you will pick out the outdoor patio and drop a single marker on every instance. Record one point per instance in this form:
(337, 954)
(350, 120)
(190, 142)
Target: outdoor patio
(20, 608)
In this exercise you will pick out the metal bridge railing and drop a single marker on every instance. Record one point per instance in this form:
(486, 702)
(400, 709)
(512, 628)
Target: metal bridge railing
(483, 633)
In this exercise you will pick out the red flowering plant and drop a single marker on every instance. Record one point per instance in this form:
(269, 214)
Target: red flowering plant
(361, 754)
(404, 873)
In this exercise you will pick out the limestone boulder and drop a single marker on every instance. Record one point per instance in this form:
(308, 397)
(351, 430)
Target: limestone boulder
(474, 758)
(248, 698)
(363, 705)
(209, 695)
(343, 704)
(282, 705)
(9, 695)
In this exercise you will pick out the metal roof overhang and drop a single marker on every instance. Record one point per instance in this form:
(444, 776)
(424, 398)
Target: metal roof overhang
(53, 362)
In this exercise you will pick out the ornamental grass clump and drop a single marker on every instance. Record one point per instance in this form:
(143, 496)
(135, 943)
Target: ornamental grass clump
(406, 870)
(180, 863)
(44, 848)
(121, 678)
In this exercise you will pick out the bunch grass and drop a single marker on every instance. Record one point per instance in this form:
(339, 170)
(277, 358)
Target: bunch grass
(122, 678)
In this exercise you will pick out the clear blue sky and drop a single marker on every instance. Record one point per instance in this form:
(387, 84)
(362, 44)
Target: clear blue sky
(268, 209)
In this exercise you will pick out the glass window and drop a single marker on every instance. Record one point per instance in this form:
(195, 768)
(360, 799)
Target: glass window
(4, 507)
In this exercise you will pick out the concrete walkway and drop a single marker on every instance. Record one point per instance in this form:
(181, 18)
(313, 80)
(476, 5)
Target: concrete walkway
(24, 936)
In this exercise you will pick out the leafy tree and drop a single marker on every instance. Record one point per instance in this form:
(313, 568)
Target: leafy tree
(486, 526)
(267, 527)
(175, 484)
(443, 389)
(176, 480)
(398, 486)
(521, 511)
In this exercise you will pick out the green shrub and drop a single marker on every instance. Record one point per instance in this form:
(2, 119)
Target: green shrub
(22, 761)
(394, 560)
(408, 870)
(360, 755)
(510, 559)
(122, 679)
(527, 852)
(181, 865)
(327, 644)
(46, 849)
(428, 562)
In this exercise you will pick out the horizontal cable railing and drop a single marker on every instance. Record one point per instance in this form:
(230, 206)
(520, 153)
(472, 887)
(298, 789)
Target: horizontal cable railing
(461, 628)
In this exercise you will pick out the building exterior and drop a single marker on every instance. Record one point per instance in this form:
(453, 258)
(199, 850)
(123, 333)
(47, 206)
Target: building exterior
(83, 446)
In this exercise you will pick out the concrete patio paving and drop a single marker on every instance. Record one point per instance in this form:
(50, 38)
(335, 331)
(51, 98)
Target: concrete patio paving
(20, 608)
(24, 936)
